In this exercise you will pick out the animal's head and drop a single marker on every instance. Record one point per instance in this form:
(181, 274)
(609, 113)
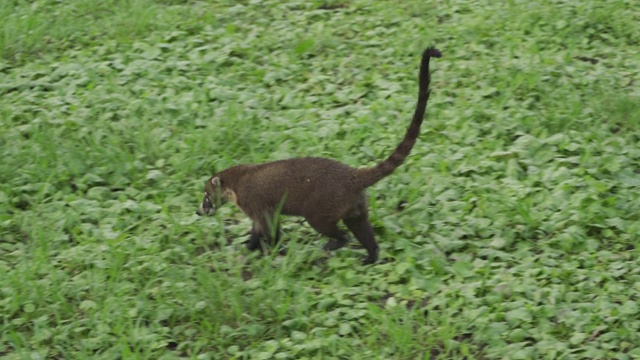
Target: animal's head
(214, 197)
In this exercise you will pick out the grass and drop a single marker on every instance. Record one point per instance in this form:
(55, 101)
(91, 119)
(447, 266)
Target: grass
(510, 232)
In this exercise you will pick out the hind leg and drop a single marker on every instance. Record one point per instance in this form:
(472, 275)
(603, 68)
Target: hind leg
(337, 243)
(329, 229)
(361, 229)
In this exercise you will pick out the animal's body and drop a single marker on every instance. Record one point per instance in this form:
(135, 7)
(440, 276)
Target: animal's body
(321, 190)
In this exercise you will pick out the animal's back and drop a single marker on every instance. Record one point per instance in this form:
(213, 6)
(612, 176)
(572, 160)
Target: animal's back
(311, 184)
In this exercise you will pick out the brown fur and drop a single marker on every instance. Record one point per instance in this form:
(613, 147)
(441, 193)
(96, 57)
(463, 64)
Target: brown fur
(323, 191)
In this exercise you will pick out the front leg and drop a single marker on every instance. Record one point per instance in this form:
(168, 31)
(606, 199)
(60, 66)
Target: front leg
(257, 236)
(254, 239)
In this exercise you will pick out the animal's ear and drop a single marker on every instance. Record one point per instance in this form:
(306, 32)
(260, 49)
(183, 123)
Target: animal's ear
(215, 181)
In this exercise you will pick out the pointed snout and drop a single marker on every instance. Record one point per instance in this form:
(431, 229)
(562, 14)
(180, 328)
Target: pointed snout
(204, 211)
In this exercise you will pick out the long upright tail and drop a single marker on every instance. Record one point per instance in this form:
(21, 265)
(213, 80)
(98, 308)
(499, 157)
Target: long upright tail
(369, 176)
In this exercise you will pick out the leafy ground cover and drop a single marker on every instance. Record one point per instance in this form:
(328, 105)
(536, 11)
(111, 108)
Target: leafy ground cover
(511, 232)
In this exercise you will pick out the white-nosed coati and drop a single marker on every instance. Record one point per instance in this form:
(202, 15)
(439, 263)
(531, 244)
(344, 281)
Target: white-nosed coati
(323, 191)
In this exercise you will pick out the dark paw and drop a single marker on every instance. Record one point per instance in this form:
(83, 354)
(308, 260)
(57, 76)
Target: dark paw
(369, 260)
(372, 258)
(253, 245)
(334, 244)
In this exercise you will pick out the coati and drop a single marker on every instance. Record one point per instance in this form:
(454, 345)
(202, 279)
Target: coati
(321, 190)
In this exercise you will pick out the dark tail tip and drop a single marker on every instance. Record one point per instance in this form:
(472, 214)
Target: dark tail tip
(432, 52)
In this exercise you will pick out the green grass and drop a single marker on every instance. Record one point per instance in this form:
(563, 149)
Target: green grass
(511, 232)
